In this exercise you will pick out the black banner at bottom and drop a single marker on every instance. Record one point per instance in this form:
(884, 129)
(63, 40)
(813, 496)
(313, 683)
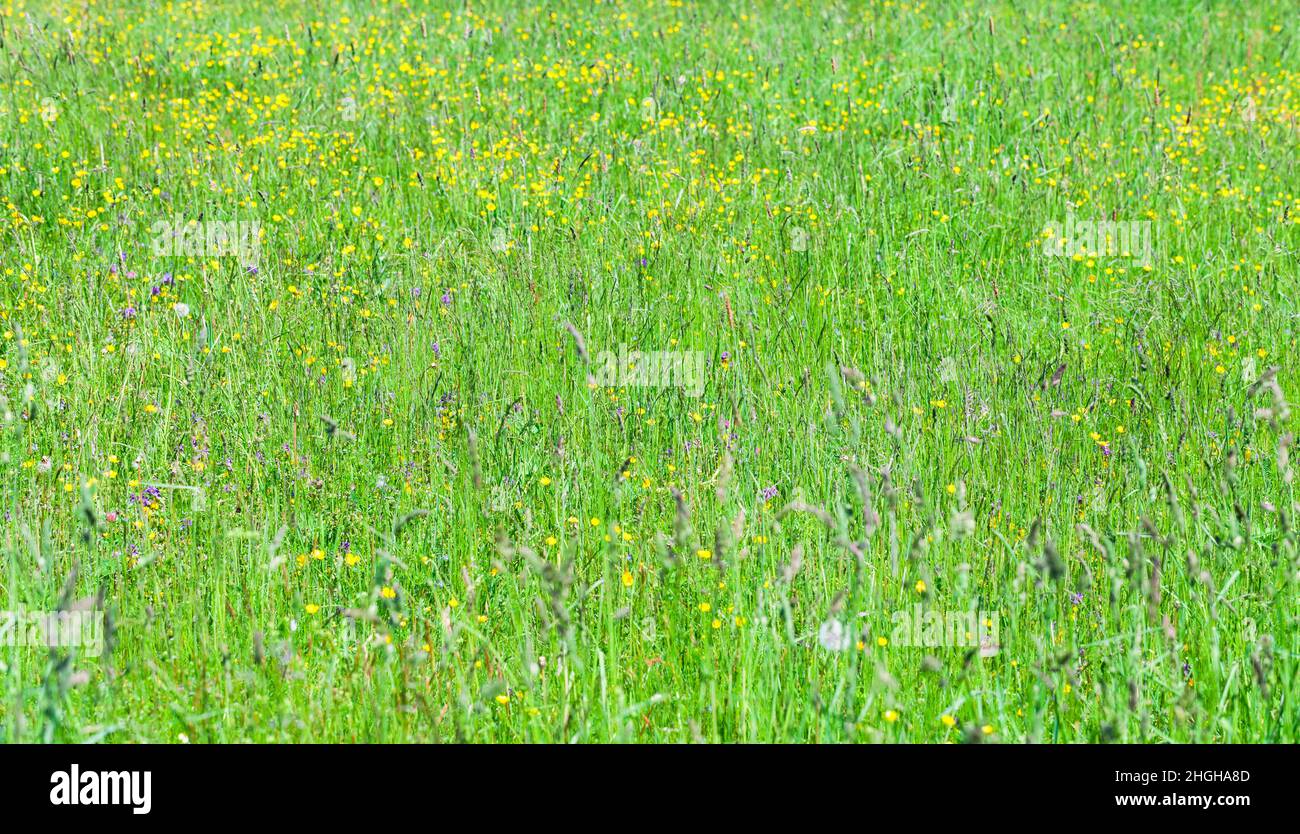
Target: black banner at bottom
(339, 784)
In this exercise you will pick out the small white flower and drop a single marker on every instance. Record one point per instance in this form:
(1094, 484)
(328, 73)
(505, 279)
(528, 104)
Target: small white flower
(832, 636)
(181, 309)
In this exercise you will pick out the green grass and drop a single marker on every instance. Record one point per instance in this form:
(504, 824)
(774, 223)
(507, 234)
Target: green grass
(392, 502)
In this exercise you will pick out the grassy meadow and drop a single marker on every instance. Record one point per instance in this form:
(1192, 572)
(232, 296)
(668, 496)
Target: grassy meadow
(966, 333)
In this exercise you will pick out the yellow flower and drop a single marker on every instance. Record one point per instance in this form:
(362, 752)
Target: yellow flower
(312, 608)
(704, 554)
(545, 481)
(503, 699)
(627, 579)
(891, 715)
(920, 586)
(948, 720)
(387, 592)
